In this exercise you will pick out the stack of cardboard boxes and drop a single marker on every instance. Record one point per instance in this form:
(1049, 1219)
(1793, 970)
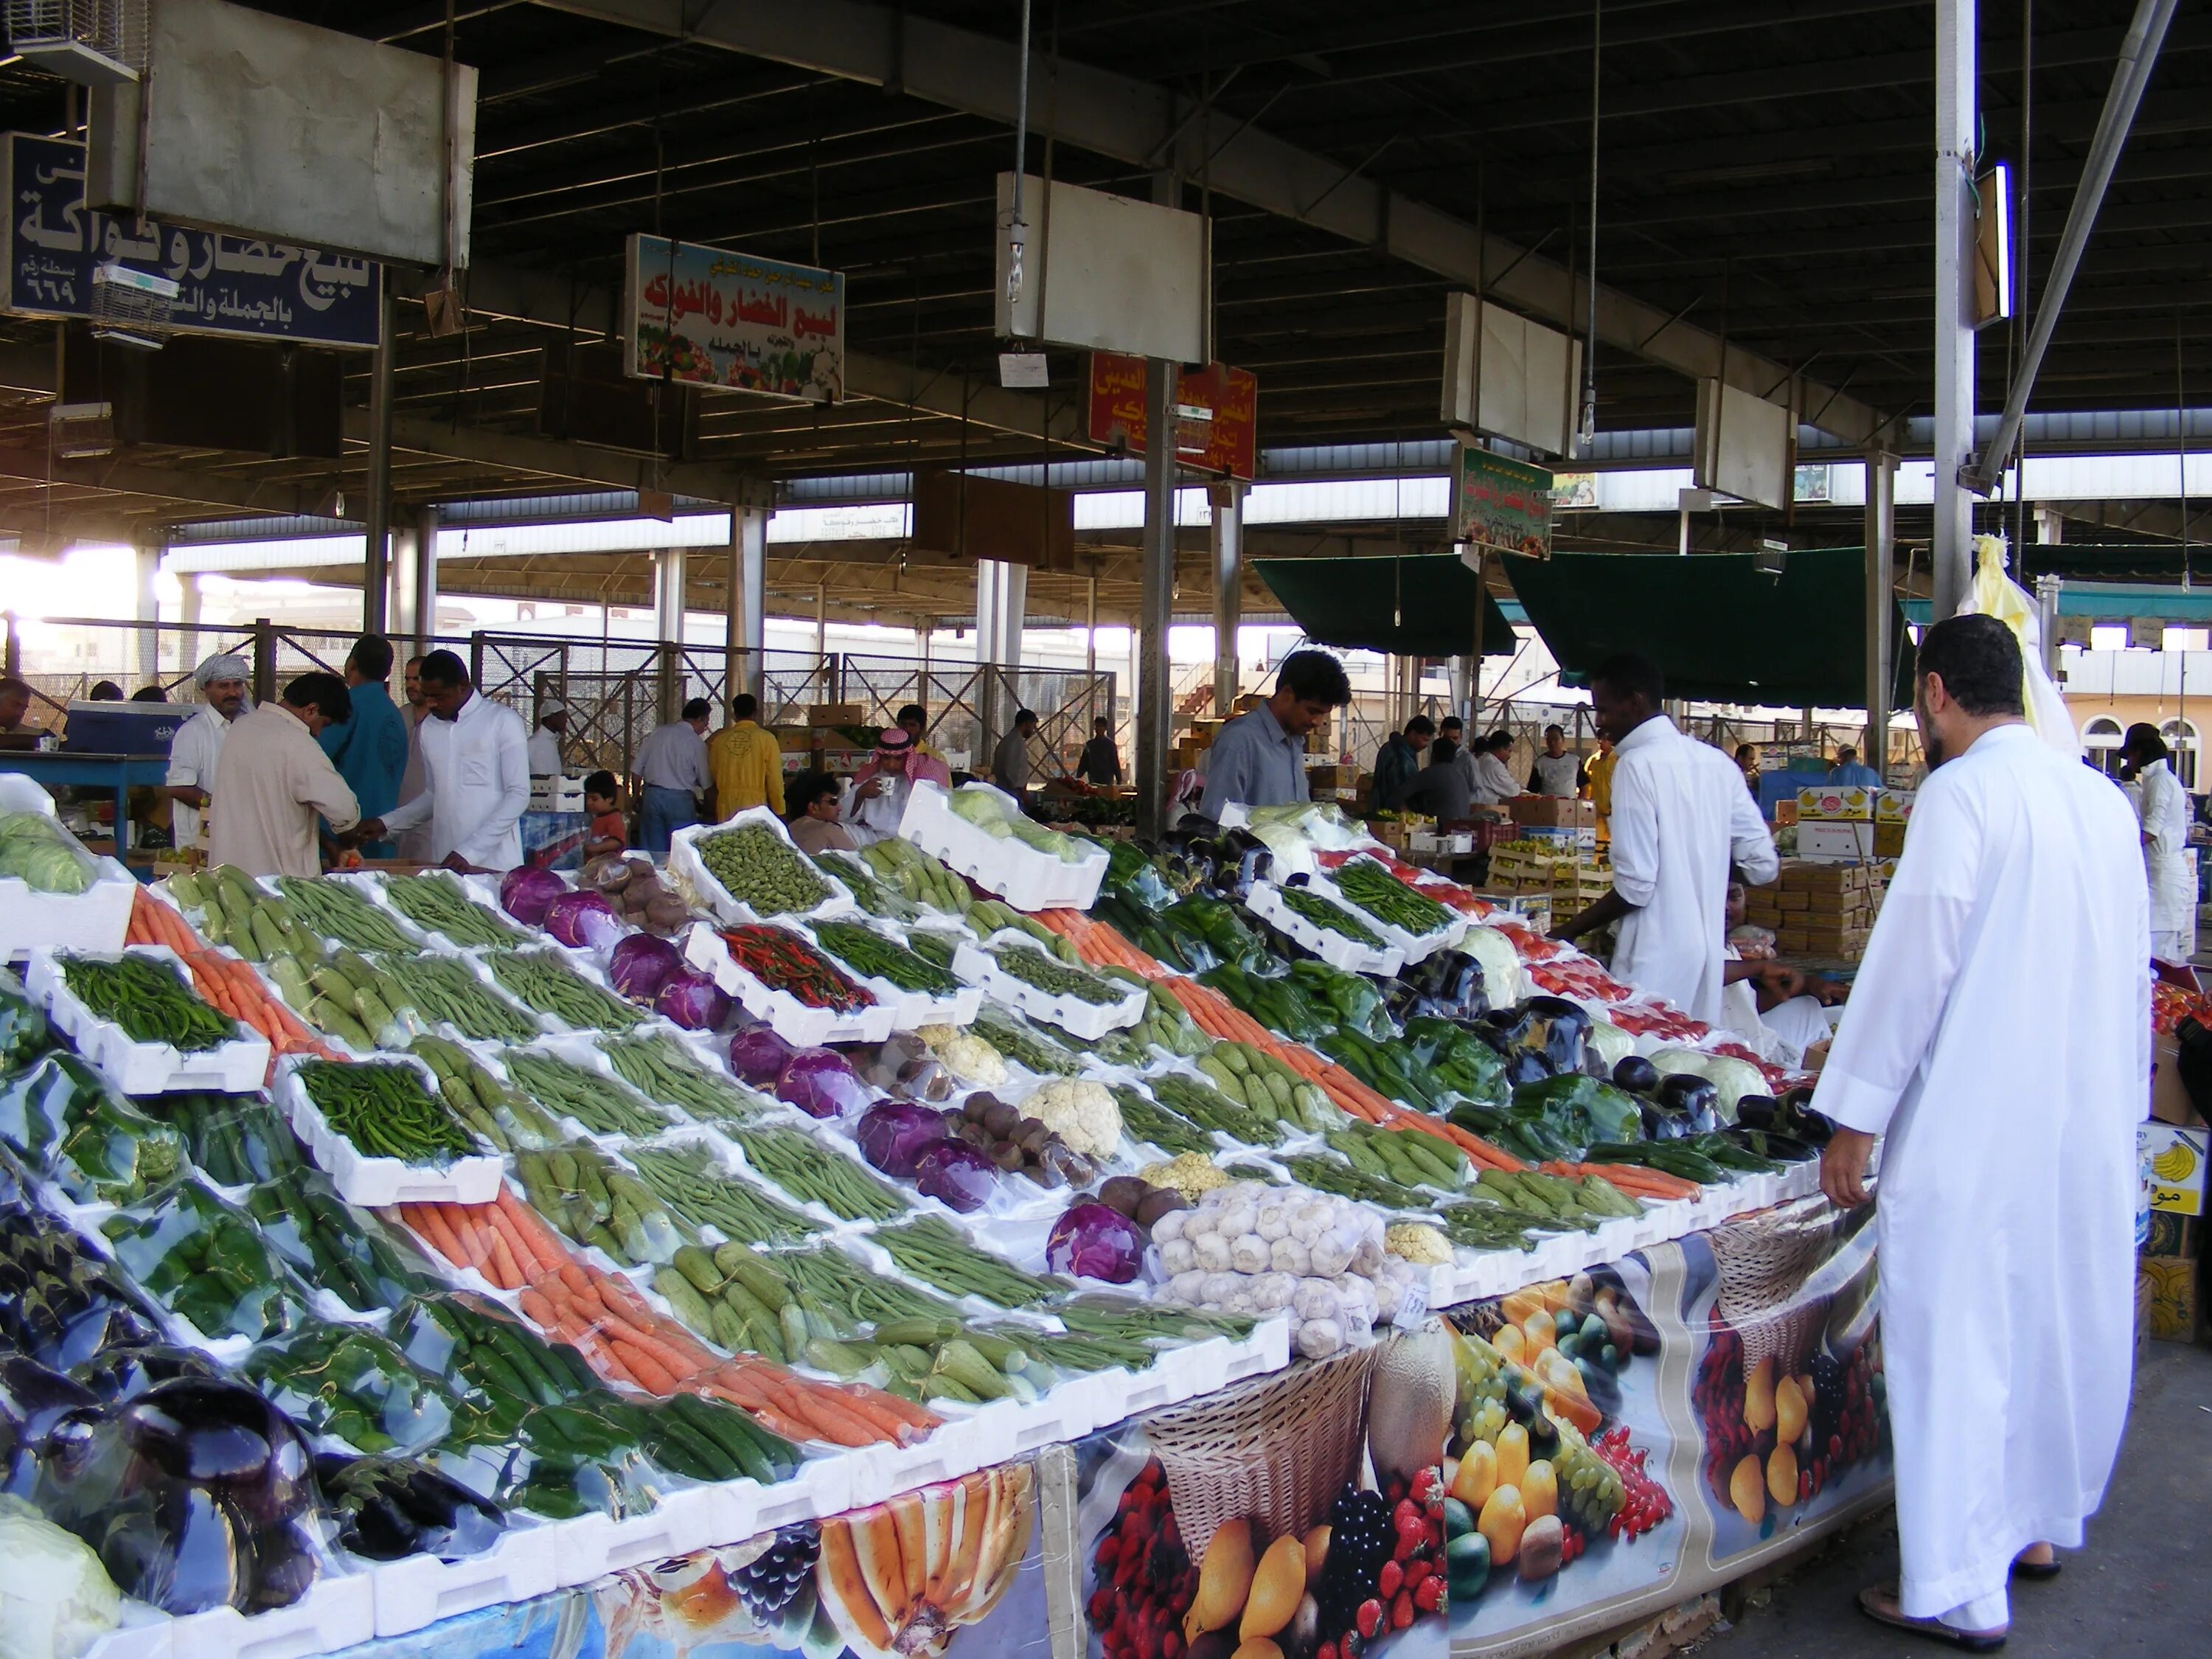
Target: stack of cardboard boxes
(2173, 1148)
(1853, 825)
(1818, 909)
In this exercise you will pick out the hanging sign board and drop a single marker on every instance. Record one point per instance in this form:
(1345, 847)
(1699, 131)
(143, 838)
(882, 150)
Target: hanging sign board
(229, 285)
(1217, 426)
(1501, 503)
(1102, 272)
(1507, 377)
(1743, 445)
(711, 317)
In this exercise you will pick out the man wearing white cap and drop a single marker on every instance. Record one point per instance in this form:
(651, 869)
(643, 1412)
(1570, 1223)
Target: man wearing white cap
(545, 741)
(875, 800)
(198, 743)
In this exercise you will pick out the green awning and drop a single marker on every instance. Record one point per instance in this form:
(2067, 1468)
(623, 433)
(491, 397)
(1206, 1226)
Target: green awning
(1418, 604)
(1719, 630)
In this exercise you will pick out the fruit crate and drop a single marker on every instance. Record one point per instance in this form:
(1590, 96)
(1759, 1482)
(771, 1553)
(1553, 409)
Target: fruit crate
(684, 862)
(794, 1021)
(238, 1066)
(974, 964)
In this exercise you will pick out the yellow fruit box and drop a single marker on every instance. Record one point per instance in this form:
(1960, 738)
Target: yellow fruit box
(1830, 803)
(2172, 1163)
(1892, 806)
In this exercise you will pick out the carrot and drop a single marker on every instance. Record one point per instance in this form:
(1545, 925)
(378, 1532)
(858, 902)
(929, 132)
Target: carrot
(537, 1310)
(648, 1371)
(543, 1245)
(504, 1270)
(525, 1259)
(425, 1219)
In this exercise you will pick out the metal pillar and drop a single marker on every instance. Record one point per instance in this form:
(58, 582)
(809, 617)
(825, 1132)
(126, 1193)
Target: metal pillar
(1155, 714)
(745, 604)
(1951, 557)
(2046, 605)
(1002, 593)
(1091, 626)
(668, 574)
(1880, 557)
(1228, 591)
(422, 593)
(376, 561)
(148, 562)
(188, 641)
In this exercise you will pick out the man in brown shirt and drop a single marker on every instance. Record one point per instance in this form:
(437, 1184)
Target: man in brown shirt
(273, 779)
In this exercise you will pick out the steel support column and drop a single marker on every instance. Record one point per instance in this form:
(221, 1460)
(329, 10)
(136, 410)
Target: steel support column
(1155, 710)
(188, 641)
(745, 604)
(668, 576)
(376, 560)
(148, 559)
(1002, 593)
(423, 592)
(1951, 557)
(1228, 592)
(1881, 558)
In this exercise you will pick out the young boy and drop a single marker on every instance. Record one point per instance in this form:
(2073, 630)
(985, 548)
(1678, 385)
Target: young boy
(603, 800)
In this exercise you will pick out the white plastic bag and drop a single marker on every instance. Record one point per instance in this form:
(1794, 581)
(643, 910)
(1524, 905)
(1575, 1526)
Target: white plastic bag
(1993, 594)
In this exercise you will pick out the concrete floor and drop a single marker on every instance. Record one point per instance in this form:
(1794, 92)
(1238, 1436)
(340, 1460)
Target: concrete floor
(2143, 1585)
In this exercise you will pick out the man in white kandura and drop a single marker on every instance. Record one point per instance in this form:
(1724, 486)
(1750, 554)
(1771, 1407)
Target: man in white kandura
(1681, 819)
(2163, 809)
(197, 749)
(1998, 1039)
(476, 756)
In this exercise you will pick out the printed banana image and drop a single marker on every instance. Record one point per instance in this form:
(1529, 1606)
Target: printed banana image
(899, 1578)
(2176, 1162)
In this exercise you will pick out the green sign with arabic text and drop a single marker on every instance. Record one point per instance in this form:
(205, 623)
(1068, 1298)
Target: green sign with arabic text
(1499, 503)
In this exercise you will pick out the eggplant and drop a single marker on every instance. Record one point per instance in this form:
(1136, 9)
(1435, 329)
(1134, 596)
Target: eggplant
(1756, 1111)
(1560, 1028)
(1635, 1074)
(390, 1509)
(37, 1400)
(1507, 1027)
(1527, 1066)
(1664, 1123)
(224, 1436)
(1699, 1098)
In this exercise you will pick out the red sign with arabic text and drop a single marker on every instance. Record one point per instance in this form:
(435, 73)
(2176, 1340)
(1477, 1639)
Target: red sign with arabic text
(1228, 443)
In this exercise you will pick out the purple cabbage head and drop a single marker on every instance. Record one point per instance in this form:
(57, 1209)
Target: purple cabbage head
(641, 966)
(894, 1135)
(584, 920)
(525, 891)
(1095, 1240)
(759, 1055)
(693, 1000)
(956, 1173)
(820, 1082)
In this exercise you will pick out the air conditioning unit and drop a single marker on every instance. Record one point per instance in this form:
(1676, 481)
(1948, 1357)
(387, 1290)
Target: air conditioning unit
(131, 307)
(96, 42)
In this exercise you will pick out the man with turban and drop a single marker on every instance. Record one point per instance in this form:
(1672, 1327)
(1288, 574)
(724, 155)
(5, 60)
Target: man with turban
(198, 744)
(875, 800)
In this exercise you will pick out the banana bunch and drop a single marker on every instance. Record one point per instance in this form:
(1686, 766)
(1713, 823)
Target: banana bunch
(2177, 1163)
(899, 1578)
(1407, 1157)
(915, 874)
(1261, 1083)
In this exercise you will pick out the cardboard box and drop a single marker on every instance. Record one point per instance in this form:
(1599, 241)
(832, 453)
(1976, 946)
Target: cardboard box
(1829, 802)
(2173, 1235)
(1835, 840)
(2172, 1164)
(2169, 1100)
(1553, 811)
(835, 713)
(1785, 812)
(2145, 1301)
(1805, 875)
(2174, 1305)
(1888, 840)
(1892, 806)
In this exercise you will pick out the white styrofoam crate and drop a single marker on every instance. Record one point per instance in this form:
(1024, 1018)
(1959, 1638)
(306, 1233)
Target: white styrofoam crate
(909, 1009)
(974, 964)
(419, 1590)
(683, 859)
(685, 1519)
(790, 1018)
(1025, 877)
(239, 1066)
(95, 920)
(337, 1612)
(1266, 902)
(1411, 947)
(145, 1633)
(379, 1183)
(956, 1447)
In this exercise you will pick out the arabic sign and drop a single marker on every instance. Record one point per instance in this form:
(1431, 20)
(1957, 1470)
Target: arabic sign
(1219, 428)
(1503, 503)
(706, 316)
(229, 285)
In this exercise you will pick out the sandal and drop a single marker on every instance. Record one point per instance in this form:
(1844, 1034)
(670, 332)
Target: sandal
(2035, 1571)
(1879, 1604)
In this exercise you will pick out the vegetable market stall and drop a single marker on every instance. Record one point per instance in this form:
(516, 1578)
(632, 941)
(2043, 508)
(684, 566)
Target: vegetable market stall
(739, 1318)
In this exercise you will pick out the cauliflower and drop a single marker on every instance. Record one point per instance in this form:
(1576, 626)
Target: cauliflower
(964, 1054)
(1080, 1112)
(1191, 1174)
(1413, 1242)
(56, 1598)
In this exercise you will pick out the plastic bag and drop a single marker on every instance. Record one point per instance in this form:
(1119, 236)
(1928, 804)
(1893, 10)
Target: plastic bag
(336, 1247)
(206, 1262)
(348, 1382)
(94, 1145)
(1993, 594)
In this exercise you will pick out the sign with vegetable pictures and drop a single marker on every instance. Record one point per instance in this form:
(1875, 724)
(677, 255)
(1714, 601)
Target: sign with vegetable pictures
(1500, 502)
(226, 285)
(1218, 409)
(713, 317)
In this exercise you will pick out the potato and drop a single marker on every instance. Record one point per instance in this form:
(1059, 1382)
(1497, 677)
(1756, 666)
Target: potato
(1542, 1544)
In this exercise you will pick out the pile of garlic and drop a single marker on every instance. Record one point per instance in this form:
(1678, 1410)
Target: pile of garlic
(1249, 1248)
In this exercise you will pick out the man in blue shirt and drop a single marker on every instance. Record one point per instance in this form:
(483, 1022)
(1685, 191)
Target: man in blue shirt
(1260, 758)
(370, 748)
(1848, 772)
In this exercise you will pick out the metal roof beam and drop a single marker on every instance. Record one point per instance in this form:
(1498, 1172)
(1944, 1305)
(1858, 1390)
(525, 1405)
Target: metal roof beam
(1148, 126)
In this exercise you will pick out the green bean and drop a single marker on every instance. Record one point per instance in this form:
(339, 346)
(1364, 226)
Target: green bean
(1303, 901)
(600, 1103)
(932, 1250)
(661, 1068)
(336, 911)
(545, 983)
(687, 1180)
(814, 1175)
(1335, 1175)
(1158, 1127)
(830, 1280)
(1207, 1107)
(446, 992)
(1387, 899)
(872, 956)
(435, 901)
(1033, 966)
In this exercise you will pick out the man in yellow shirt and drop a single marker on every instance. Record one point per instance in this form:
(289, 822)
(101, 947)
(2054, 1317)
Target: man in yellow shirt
(744, 762)
(1597, 777)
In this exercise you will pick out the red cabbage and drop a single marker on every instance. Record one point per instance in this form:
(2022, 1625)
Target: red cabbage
(759, 1055)
(525, 891)
(894, 1135)
(957, 1174)
(821, 1084)
(583, 919)
(1096, 1241)
(693, 1000)
(642, 964)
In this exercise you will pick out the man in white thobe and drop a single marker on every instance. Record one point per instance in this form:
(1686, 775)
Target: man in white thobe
(875, 800)
(545, 745)
(197, 749)
(476, 757)
(1998, 1039)
(1491, 780)
(2163, 809)
(1681, 821)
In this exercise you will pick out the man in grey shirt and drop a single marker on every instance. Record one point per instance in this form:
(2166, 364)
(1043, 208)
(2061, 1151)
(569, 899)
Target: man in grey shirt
(1010, 763)
(672, 762)
(1260, 758)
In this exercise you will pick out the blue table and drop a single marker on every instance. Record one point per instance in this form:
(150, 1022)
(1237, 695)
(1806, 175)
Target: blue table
(119, 774)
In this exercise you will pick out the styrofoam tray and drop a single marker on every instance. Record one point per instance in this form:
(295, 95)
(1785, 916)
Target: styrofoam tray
(683, 859)
(417, 1590)
(686, 1519)
(145, 1633)
(911, 1009)
(379, 1182)
(95, 920)
(975, 965)
(1413, 947)
(1266, 902)
(238, 1066)
(790, 1018)
(1026, 878)
(337, 1612)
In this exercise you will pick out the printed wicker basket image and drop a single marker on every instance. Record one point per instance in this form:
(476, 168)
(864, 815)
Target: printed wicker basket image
(1277, 1449)
(1763, 1260)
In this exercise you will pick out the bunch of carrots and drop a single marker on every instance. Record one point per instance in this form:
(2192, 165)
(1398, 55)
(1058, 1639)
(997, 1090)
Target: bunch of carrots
(228, 982)
(1653, 1186)
(602, 1316)
(1100, 942)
